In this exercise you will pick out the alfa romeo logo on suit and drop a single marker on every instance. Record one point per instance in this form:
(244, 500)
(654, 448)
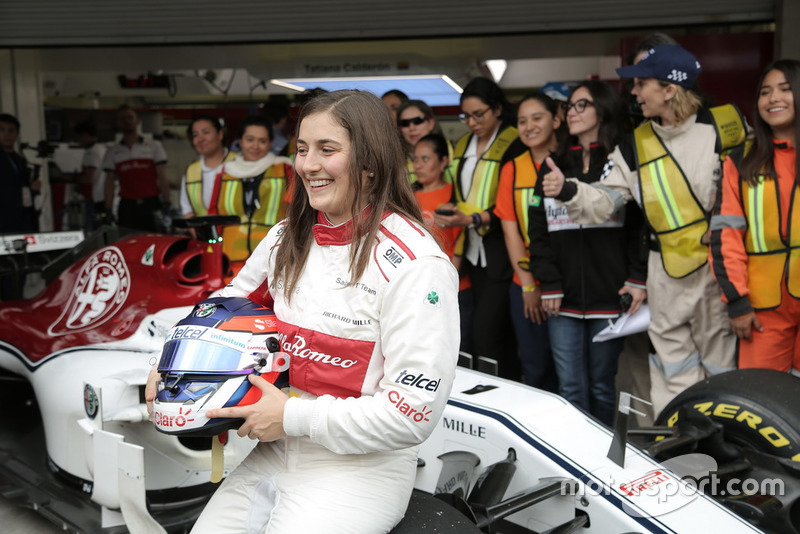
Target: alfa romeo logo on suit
(100, 291)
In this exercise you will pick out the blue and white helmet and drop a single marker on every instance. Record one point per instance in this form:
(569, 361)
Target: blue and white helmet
(206, 360)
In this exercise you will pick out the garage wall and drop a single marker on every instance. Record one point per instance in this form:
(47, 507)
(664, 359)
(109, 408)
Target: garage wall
(114, 22)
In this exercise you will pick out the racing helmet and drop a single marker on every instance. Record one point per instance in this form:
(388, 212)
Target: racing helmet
(206, 360)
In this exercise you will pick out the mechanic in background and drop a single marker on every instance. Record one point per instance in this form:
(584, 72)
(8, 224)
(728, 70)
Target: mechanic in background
(17, 211)
(140, 168)
(276, 112)
(92, 178)
(755, 230)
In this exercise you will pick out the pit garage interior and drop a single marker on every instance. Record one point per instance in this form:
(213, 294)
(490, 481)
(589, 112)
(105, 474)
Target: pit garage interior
(66, 61)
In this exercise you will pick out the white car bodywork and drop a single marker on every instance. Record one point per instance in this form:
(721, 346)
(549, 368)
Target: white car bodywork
(97, 429)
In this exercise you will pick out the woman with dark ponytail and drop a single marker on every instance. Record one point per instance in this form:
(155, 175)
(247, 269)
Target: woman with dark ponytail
(755, 230)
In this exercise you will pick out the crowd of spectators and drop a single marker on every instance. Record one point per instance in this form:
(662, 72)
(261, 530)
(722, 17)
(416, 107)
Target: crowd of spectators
(560, 216)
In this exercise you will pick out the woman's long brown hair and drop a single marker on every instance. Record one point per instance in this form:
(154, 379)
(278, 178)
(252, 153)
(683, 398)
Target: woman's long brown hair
(760, 159)
(377, 150)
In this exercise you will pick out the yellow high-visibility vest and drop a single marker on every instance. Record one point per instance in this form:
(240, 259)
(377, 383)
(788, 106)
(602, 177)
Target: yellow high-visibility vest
(770, 260)
(238, 242)
(483, 191)
(673, 212)
(194, 184)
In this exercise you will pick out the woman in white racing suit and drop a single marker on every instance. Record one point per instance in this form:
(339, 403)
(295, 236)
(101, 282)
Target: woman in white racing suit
(356, 281)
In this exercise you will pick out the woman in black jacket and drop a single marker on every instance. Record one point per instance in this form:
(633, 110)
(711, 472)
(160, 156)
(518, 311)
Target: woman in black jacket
(584, 270)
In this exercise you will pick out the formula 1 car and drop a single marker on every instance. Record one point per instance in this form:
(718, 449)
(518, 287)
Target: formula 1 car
(77, 445)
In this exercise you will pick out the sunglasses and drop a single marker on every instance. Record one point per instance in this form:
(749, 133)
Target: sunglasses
(416, 121)
(579, 105)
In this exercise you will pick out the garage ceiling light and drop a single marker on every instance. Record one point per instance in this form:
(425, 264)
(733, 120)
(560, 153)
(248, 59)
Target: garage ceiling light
(434, 90)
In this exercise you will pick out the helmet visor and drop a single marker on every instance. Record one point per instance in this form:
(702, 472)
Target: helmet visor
(200, 356)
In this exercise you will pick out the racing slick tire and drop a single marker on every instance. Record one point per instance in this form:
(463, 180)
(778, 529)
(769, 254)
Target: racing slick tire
(757, 409)
(755, 438)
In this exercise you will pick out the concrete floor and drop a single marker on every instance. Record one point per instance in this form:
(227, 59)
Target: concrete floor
(18, 520)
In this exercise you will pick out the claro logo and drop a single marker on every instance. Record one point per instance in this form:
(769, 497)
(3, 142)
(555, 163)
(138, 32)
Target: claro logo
(418, 416)
(172, 421)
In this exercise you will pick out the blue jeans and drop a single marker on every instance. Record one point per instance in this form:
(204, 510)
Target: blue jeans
(586, 370)
(534, 345)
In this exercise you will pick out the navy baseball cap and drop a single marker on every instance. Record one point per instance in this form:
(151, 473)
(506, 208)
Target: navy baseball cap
(670, 63)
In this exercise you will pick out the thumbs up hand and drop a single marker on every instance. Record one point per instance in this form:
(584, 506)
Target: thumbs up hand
(553, 181)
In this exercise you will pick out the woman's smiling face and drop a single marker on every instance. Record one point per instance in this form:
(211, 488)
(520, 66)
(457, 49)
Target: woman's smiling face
(323, 163)
(206, 140)
(776, 104)
(536, 125)
(255, 143)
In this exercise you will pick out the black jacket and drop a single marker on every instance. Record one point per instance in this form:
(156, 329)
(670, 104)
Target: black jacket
(586, 266)
(14, 179)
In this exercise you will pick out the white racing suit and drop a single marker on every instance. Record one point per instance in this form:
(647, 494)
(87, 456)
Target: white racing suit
(372, 364)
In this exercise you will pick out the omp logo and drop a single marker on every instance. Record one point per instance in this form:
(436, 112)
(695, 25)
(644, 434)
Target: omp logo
(101, 288)
(394, 257)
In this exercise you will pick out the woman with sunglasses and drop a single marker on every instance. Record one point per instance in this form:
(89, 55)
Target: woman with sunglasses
(578, 297)
(416, 120)
(477, 160)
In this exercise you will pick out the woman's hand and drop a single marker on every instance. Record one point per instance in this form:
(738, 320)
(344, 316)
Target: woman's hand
(263, 421)
(532, 306)
(639, 296)
(551, 306)
(743, 326)
(458, 219)
(553, 181)
(151, 388)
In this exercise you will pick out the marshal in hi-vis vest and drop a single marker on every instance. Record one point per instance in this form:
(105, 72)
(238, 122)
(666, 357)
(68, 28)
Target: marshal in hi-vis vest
(238, 242)
(486, 177)
(194, 184)
(770, 260)
(676, 217)
(525, 179)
